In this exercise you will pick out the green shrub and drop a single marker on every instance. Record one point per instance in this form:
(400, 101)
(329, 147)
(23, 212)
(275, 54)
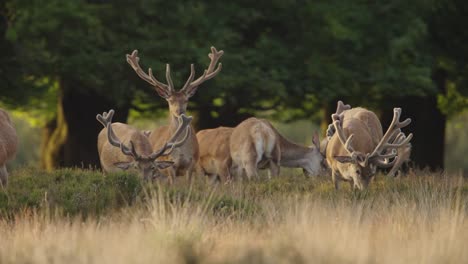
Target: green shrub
(73, 191)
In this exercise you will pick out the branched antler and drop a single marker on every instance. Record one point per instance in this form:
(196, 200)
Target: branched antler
(184, 123)
(106, 120)
(190, 86)
(393, 132)
(165, 90)
(341, 107)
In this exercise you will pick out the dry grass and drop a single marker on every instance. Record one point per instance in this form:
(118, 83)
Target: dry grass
(419, 219)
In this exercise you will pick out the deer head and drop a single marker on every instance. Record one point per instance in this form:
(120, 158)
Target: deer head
(177, 99)
(146, 163)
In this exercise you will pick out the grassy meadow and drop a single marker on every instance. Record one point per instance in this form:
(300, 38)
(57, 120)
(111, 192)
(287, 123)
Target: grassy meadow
(81, 216)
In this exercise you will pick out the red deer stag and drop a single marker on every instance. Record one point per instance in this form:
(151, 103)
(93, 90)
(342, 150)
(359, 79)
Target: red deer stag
(358, 146)
(8, 144)
(186, 156)
(122, 147)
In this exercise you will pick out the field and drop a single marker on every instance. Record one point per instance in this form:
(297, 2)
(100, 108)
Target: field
(79, 216)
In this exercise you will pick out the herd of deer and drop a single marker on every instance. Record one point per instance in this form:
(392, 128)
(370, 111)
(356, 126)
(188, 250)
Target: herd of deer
(354, 147)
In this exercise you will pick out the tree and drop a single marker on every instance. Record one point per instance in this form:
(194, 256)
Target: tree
(285, 59)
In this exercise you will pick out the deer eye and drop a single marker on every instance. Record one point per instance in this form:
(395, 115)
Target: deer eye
(358, 171)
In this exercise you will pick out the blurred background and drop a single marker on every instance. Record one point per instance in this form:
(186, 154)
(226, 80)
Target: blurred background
(62, 62)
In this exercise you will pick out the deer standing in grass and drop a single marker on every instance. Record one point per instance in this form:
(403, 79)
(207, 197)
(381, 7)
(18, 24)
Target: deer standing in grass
(122, 147)
(293, 155)
(8, 144)
(357, 145)
(215, 155)
(254, 144)
(186, 156)
(215, 158)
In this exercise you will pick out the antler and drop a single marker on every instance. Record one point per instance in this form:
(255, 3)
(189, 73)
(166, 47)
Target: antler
(165, 90)
(393, 132)
(106, 120)
(341, 107)
(190, 85)
(184, 122)
(345, 141)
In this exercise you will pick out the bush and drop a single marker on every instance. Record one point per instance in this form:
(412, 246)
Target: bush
(74, 191)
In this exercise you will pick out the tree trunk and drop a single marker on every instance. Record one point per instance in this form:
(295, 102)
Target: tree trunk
(78, 129)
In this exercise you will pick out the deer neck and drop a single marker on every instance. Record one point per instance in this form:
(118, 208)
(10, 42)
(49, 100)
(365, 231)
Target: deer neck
(292, 154)
(173, 123)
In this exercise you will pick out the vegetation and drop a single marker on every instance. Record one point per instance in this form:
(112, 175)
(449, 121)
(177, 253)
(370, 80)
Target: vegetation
(291, 62)
(420, 218)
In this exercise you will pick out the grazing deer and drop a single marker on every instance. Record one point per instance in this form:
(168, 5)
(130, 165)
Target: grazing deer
(8, 145)
(357, 145)
(215, 158)
(297, 156)
(254, 144)
(186, 156)
(121, 147)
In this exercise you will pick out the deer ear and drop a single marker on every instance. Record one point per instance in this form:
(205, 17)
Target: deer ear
(123, 165)
(163, 93)
(315, 140)
(147, 133)
(343, 159)
(164, 164)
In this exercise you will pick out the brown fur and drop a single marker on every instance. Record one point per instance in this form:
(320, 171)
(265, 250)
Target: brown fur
(254, 143)
(367, 131)
(185, 158)
(215, 156)
(109, 155)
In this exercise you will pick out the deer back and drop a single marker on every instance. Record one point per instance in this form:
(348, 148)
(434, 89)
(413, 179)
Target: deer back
(254, 137)
(109, 155)
(214, 148)
(8, 138)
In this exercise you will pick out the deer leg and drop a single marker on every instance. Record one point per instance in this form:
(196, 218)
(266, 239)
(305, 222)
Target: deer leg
(251, 169)
(171, 174)
(238, 171)
(224, 172)
(334, 179)
(3, 176)
(189, 172)
(274, 169)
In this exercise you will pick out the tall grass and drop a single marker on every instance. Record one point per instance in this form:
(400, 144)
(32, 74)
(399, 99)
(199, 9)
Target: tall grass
(421, 218)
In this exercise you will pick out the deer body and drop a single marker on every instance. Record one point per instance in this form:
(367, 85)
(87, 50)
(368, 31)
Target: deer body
(255, 144)
(8, 144)
(186, 157)
(112, 158)
(215, 156)
(115, 154)
(357, 145)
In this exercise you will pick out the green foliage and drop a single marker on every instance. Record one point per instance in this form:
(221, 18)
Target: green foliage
(83, 192)
(73, 191)
(276, 52)
(456, 144)
(453, 101)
